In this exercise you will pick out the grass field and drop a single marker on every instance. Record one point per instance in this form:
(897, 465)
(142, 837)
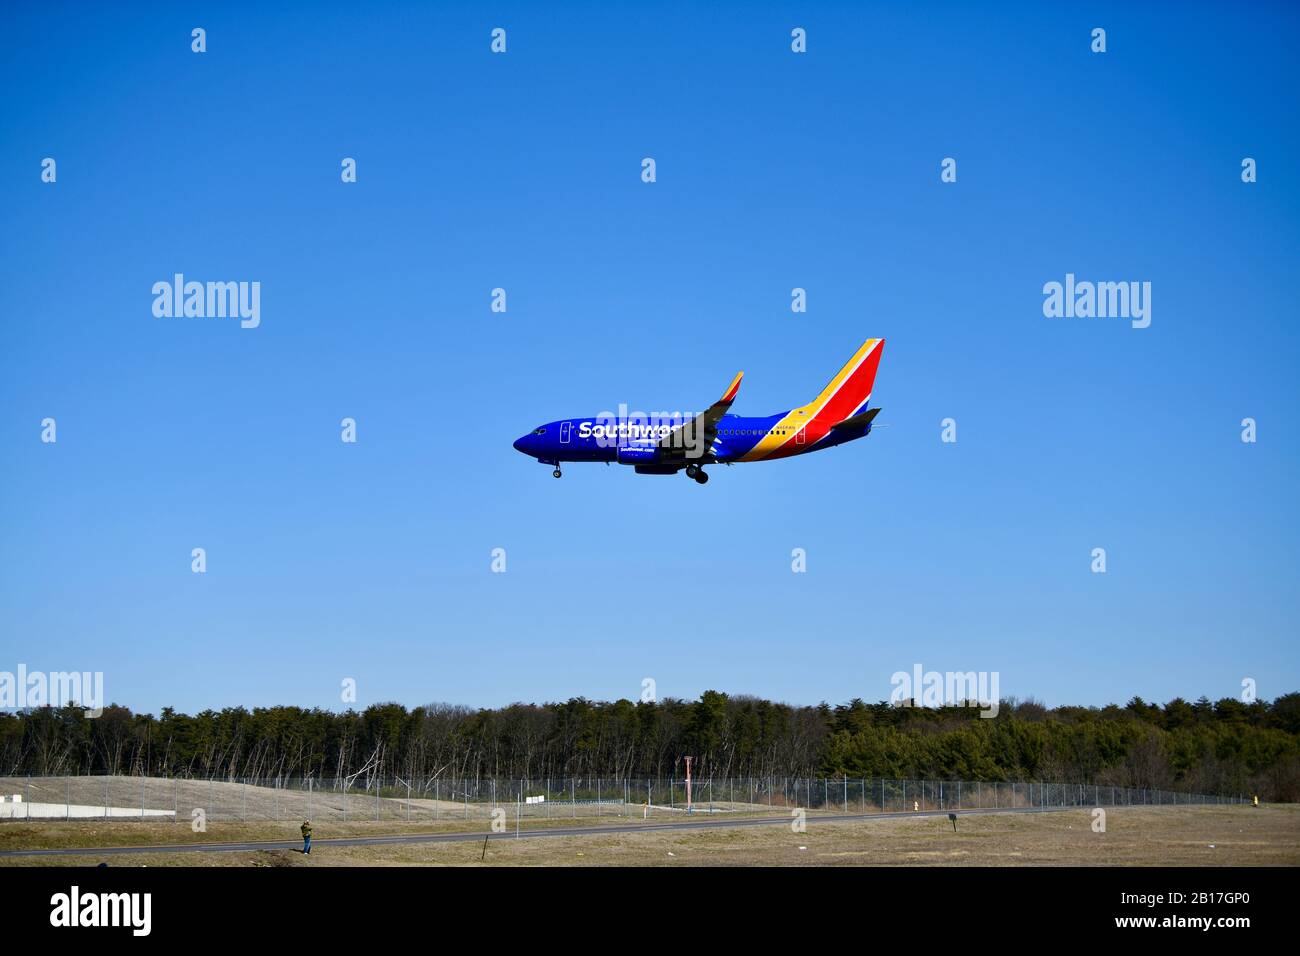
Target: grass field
(227, 801)
(1135, 836)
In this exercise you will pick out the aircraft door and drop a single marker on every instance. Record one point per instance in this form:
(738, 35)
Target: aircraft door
(566, 429)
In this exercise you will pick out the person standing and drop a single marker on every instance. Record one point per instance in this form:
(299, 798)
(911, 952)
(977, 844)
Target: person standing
(306, 838)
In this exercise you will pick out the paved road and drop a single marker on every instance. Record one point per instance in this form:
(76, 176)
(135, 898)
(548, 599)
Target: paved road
(631, 827)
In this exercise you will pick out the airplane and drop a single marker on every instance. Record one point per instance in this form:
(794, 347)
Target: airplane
(668, 444)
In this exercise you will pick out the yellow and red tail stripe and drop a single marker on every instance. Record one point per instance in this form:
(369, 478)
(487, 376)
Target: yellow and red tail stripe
(802, 427)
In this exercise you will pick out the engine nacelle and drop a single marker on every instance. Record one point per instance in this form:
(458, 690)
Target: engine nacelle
(638, 453)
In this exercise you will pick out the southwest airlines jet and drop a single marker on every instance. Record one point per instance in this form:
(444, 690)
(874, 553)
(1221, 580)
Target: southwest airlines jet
(666, 444)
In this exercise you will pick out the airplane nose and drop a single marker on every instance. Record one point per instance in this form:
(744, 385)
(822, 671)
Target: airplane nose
(521, 444)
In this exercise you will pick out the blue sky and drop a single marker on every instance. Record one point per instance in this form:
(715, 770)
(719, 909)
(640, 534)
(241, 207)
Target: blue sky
(775, 170)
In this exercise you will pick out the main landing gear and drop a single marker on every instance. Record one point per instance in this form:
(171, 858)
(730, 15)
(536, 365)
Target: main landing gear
(698, 473)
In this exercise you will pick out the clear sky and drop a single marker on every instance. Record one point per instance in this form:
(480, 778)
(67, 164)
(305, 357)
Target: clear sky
(522, 170)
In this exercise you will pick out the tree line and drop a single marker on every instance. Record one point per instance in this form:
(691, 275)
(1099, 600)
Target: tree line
(1224, 746)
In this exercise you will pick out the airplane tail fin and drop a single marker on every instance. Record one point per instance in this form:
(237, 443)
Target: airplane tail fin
(849, 391)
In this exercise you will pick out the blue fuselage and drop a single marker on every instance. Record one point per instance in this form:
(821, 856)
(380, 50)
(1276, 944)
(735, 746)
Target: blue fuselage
(634, 442)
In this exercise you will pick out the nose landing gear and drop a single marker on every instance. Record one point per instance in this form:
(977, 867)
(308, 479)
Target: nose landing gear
(556, 473)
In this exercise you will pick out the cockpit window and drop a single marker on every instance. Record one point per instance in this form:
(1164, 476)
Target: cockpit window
(540, 431)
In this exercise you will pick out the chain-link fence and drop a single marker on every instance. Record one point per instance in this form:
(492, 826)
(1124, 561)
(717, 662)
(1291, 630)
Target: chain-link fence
(393, 798)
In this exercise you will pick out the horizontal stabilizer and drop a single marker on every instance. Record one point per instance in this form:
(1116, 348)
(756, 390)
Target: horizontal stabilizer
(858, 421)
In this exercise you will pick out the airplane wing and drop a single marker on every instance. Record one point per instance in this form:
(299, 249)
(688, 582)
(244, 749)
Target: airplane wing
(694, 439)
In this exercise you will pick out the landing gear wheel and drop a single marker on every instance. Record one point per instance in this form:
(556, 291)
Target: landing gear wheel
(556, 473)
(702, 476)
(692, 471)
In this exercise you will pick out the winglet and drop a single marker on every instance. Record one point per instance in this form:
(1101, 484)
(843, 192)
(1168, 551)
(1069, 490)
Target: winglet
(730, 394)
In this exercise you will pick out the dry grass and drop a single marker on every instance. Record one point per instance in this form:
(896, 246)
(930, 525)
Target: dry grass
(51, 834)
(233, 801)
(222, 800)
(1178, 836)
